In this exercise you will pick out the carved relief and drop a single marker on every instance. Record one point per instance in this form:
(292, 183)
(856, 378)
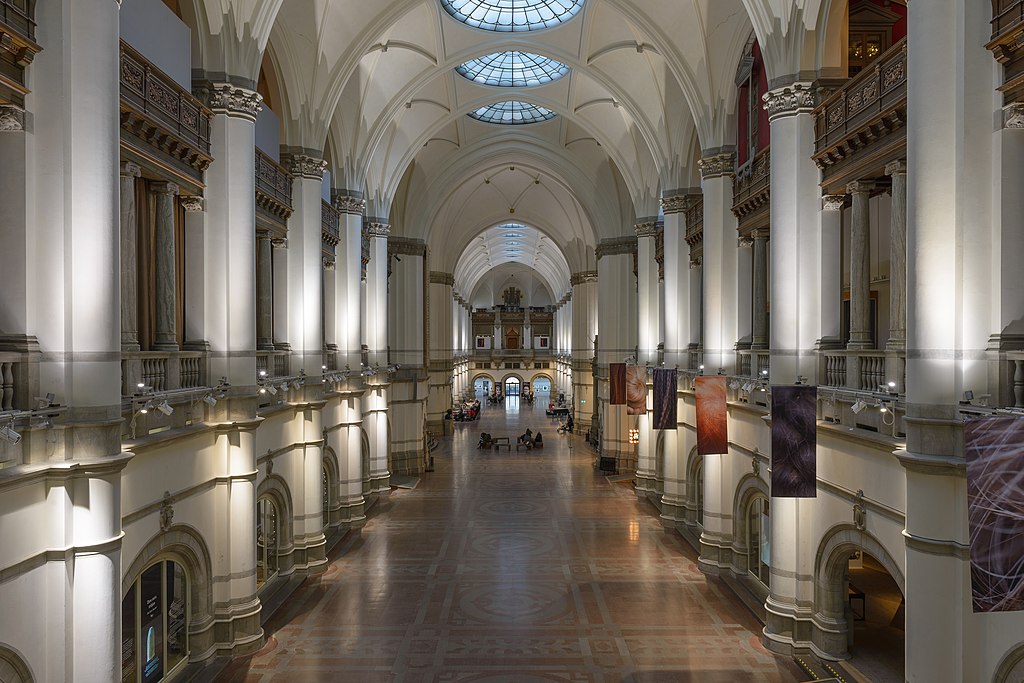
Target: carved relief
(12, 118)
(305, 166)
(798, 98)
(676, 204)
(718, 165)
(350, 205)
(230, 99)
(166, 512)
(583, 277)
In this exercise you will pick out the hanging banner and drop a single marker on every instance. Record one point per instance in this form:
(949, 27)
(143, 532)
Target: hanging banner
(636, 390)
(994, 448)
(617, 381)
(712, 420)
(665, 404)
(794, 441)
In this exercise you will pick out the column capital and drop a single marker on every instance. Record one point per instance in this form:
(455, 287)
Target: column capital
(718, 165)
(860, 187)
(833, 202)
(791, 100)
(12, 118)
(192, 203)
(165, 188)
(279, 243)
(353, 206)
(1013, 115)
(896, 167)
(759, 234)
(696, 262)
(583, 277)
(375, 229)
(674, 204)
(407, 246)
(648, 227)
(305, 166)
(745, 241)
(225, 98)
(130, 170)
(441, 278)
(328, 263)
(615, 246)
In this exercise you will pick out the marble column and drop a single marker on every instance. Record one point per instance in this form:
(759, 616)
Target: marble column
(830, 278)
(648, 328)
(696, 303)
(441, 368)
(584, 329)
(720, 262)
(860, 266)
(279, 307)
(264, 292)
(617, 341)
(166, 267)
(195, 267)
(376, 401)
(129, 258)
(898, 257)
(760, 335)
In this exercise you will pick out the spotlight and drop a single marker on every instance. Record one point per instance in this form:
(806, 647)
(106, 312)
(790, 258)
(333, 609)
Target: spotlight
(892, 387)
(764, 373)
(263, 390)
(165, 408)
(263, 373)
(146, 408)
(283, 386)
(323, 367)
(45, 401)
(296, 385)
(9, 434)
(210, 400)
(735, 384)
(882, 408)
(271, 390)
(858, 406)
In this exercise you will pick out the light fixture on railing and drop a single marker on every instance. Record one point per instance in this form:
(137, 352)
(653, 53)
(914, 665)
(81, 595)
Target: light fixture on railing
(45, 401)
(165, 407)
(263, 373)
(9, 434)
(858, 406)
(146, 407)
(209, 400)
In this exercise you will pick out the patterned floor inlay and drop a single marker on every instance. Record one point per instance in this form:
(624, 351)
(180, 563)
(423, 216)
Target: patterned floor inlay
(521, 567)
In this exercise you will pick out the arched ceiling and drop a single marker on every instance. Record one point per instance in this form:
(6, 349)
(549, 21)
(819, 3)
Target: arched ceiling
(512, 242)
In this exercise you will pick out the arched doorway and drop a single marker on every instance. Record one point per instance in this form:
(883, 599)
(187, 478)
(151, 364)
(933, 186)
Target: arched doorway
(483, 385)
(154, 623)
(542, 386)
(513, 387)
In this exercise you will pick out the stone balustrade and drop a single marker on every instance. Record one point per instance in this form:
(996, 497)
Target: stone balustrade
(162, 370)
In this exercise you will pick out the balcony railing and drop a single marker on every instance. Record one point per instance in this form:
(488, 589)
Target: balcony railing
(752, 363)
(751, 192)
(161, 112)
(1007, 15)
(273, 187)
(275, 363)
(862, 370)
(330, 225)
(18, 15)
(162, 370)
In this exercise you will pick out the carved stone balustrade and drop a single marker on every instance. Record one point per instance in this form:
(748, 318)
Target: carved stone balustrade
(162, 371)
(273, 195)
(751, 194)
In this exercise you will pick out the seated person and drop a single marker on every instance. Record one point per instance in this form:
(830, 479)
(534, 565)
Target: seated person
(527, 439)
(567, 425)
(538, 441)
(485, 440)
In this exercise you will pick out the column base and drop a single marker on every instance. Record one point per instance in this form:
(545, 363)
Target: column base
(237, 628)
(715, 555)
(788, 628)
(167, 346)
(646, 483)
(380, 482)
(267, 345)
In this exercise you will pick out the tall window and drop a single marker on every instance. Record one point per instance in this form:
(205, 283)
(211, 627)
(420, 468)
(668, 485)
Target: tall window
(154, 624)
(759, 540)
(266, 540)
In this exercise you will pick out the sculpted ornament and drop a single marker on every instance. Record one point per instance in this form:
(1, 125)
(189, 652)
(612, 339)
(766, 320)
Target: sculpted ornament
(350, 205)
(12, 118)
(166, 512)
(378, 230)
(305, 166)
(647, 229)
(1013, 115)
(718, 165)
(833, 202)
(583, 277)
(860, 512)
(676, 204)
(230, 99)
(191, 203)
(798, 98)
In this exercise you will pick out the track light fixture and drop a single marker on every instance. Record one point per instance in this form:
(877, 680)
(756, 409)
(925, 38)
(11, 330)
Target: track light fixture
(209, 400)
(9, 434)
(148, 406)
(45, 401)
(165, 407)
(858, 406)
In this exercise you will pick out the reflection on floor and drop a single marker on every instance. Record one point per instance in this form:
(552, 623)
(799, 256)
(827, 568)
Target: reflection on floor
(513, 566)
(878, 640)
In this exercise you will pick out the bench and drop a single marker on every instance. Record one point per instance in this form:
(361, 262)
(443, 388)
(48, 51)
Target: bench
(501, 441)
(855, 594)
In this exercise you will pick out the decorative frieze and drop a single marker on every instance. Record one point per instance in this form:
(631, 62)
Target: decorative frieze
(353, 206)
(696, 262)
(718, 165)
(330, 225)
(12, 118)
(191, 203)
(306, 166)
(407, 246)
(616, 246)
(793, 99)
(441, 278)
(583, 277)
(375, 229)
(225, 98)
(329, 264)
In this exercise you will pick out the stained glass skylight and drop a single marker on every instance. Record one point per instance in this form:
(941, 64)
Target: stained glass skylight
(512, 112)
(512, 15)
(513, 69)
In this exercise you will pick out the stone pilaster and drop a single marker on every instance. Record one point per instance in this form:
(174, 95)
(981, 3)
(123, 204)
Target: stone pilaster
(860, 266)
(264, 292)
(166, 267)
(898, 257)
(759, 338)
(830, 277)
(129, 258)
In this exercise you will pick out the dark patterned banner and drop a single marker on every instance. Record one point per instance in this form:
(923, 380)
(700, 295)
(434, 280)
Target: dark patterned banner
(994, 448)
(636, 390)
(712, 417)
(794, 441)
(617, 381)
(665, 405)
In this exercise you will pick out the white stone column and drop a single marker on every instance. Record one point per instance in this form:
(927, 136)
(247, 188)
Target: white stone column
(14, 218)
(793, 273)
(720, 262)
(649, 324)
(830, 280)
(759, 338)
(265, 292)
(860, 266)
(279, 308)
(439, 397)
(696, 302)
(898, 258)
(330, 291)
(375, 404)
(305, 292)
(129, 258)
(195, 269)
(745, 274)
(407, 317)
(166, 267)
(677, 339)
(584, 329)
(617, 341)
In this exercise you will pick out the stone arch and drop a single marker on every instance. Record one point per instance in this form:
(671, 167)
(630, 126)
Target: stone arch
(19, 669)
(659, 458)
(183, 544)
(542, 375)
(482, 375)
(1011, 666)
(831, 624)
(364, 459)
(276, 488)
(749, 487)
(512, 375)
(695, 487)
(330, 462)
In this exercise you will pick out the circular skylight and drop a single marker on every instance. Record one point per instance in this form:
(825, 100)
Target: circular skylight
(512, 112)
(512, 15)
(513, 69)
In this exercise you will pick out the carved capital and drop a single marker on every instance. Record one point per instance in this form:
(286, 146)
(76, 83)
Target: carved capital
(615, 246)
(797, 98)
(12, 118)
(759, 234)
(718, 165)
(130, 170)
(328, 263)
(833, 202)
(583, 277)
(1013, 115)
(191, 203)
(860, 187)
(353, 206)
(377, 230)
(279, 243)
(676, 204)
(896, 168)
(305, 166)
(441, 278)
(165, 188)
(696, 262)
(745, 241)
(224, 98)
(648, 228)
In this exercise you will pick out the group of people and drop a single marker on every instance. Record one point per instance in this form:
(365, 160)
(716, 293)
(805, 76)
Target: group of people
(465, 412)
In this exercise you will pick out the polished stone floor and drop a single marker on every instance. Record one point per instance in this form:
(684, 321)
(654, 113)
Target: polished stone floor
(513, 566)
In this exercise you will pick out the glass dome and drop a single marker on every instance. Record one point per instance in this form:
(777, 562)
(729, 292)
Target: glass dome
(513, 69)
(512, 112)
(512, 15)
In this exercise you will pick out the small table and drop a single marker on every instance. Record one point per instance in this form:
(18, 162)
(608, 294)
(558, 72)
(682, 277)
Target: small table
(502, 441)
